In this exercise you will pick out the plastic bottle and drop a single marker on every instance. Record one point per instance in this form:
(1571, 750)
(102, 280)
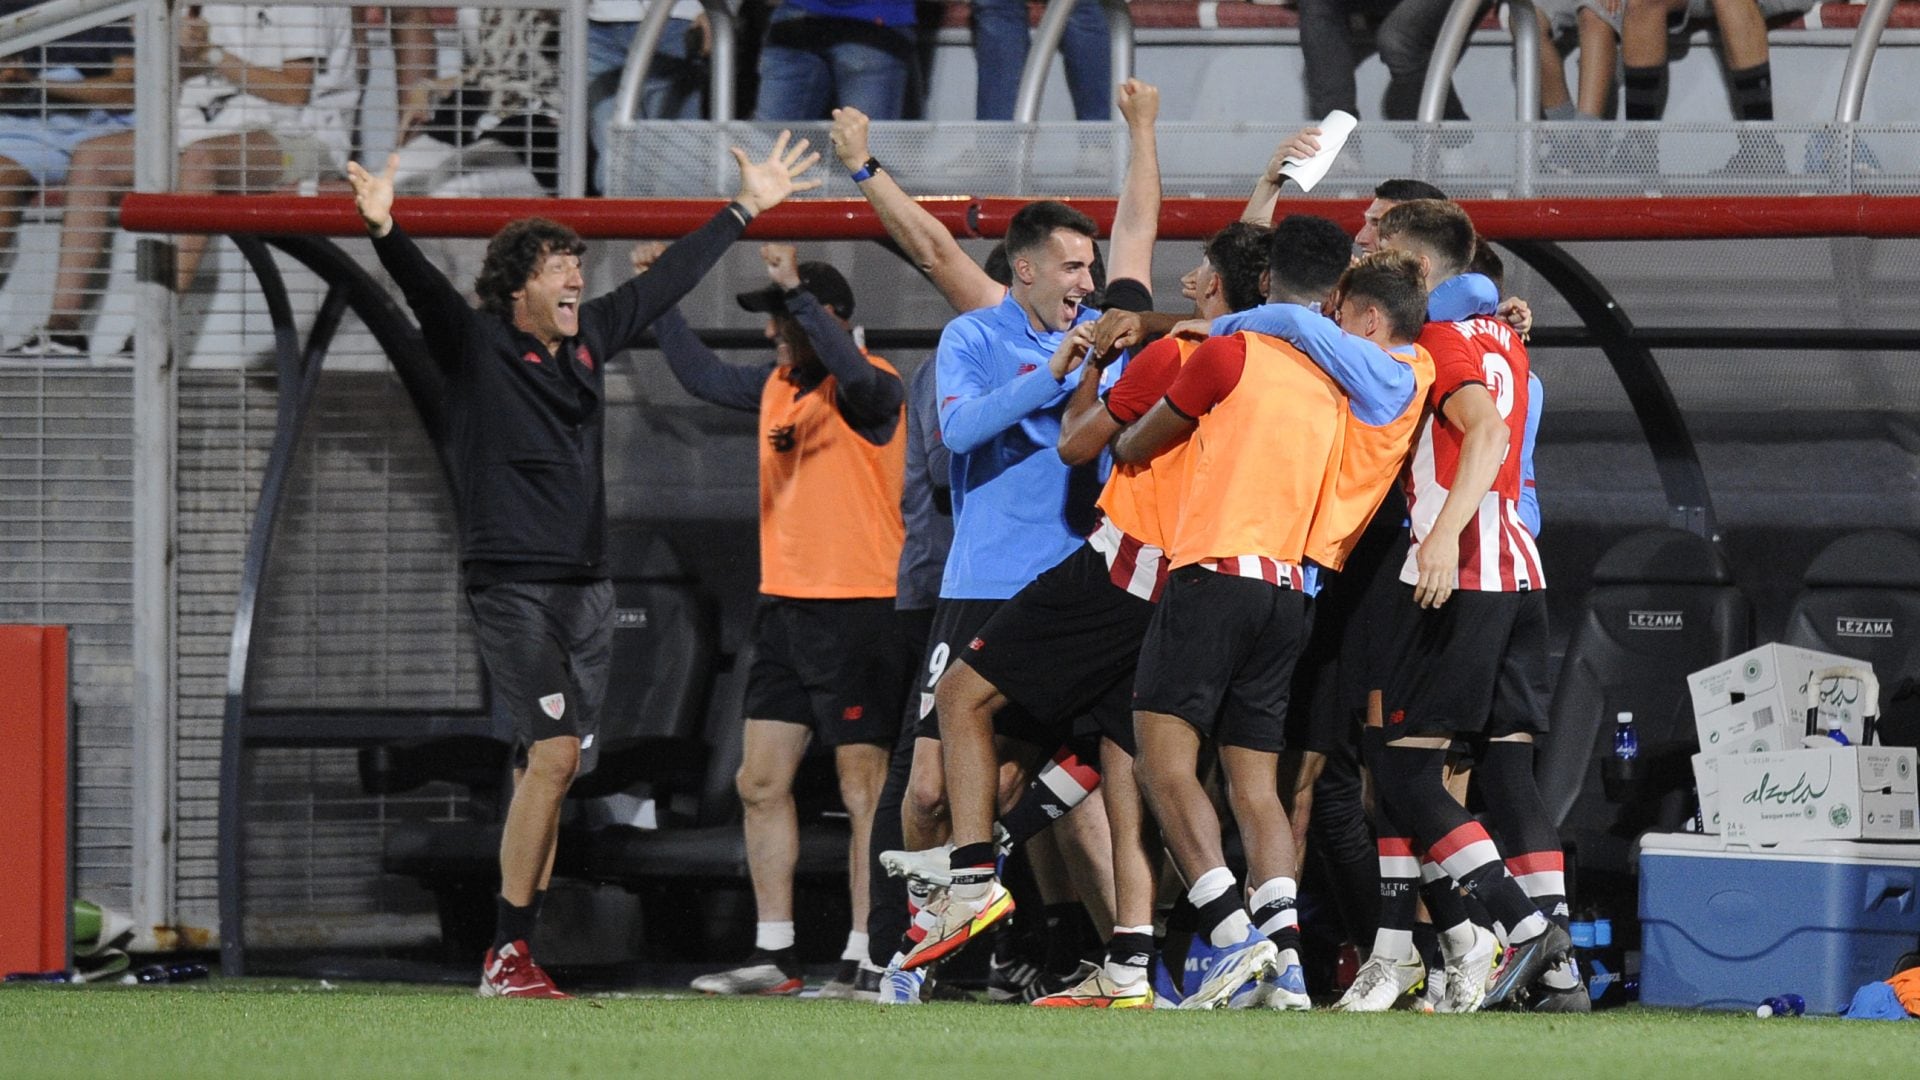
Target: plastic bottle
(1626, 744)
(1782, 1005)
(166, 973)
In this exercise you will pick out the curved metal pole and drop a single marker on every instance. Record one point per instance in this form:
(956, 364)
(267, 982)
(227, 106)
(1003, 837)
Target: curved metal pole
(723, 65)
(1866, 43)
(1043, 45)
(1523, 22)
(299, 369)
(646, 42)
(1446, 55)
(1119, 39)
(1689, 503)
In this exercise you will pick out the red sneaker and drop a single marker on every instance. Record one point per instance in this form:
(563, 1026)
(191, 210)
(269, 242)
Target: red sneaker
(509, 972)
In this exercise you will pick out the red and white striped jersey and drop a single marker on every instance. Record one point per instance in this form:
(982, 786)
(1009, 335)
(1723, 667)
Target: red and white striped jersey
(1497, 553)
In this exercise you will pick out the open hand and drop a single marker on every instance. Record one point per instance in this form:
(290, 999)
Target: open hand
(1439, 563)
(373, 194)
(766, 184)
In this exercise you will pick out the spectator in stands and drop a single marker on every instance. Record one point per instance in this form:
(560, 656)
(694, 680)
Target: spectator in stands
(267, 99)
(1644, 37)
(1000, 38)
(506, 91)
(676, 81)
(1403, 34)
(52, 99)
(1597, 24)
(819, 54)
(827, 659)
(524, 441)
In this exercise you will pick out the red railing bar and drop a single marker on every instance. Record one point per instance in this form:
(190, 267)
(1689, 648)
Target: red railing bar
(1723, 217)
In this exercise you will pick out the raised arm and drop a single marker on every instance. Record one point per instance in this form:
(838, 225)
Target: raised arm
(1529, 490)
(932, 248)
(868, 398)
(625, 313)
(1301, 144)
(442, 310)
(1136, 218)
(702, 373)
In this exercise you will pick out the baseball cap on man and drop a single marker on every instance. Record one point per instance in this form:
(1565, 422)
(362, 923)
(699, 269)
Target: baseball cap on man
(818, 278)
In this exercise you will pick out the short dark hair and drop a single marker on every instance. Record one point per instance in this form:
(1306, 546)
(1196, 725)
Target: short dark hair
(1000, 269)
(1488, 261)
(1035, 222)
(1405, 190)
(1441, 227)
(1239, 254)
(514, 253)
(1390, 281)
(1308, 256)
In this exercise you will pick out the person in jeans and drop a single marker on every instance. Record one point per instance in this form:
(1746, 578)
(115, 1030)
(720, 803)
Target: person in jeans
(1403, 34)
(822, 54)
(1000, 55)
(676, 82)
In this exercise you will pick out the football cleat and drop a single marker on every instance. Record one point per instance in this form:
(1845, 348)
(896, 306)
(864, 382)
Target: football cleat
(1381, 982)
(758, 976)
(1526, 962)
(854, 981)
(899, 987)
(1469, 974)
(509, 972)
(956, 922)
(929, 865)
(1096, 991)
(1243, 962)
(1278, 990)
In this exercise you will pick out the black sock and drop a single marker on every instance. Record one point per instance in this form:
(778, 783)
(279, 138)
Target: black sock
(1426, 942)
(1752, 92)
(1130, 950)
(513, 924)
(972, 857)
(1646, 92)
(1063, 937)
(787, 959)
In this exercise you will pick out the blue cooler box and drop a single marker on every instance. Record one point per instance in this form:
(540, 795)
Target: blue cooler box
(1724, 927)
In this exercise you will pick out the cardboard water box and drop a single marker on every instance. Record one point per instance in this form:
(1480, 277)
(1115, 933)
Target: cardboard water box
(1706, 784)
(1832, 793)
(1758, 701)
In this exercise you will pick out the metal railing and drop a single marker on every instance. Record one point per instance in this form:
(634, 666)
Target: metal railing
(646, 44)
(1045, 45)
(1866, 43)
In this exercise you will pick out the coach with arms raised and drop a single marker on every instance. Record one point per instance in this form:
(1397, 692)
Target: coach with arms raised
(524, 436)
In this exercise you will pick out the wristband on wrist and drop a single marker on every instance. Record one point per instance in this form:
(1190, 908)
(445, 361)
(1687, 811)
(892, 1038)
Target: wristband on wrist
(866, 170)
(741, 212)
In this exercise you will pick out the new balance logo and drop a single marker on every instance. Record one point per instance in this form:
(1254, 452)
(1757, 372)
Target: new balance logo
(1849, 626)
(1053, 810)
(1655, 620)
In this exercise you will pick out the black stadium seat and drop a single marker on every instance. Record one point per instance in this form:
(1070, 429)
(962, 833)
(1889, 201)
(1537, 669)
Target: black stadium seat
(1862, 599)
(1663, 605)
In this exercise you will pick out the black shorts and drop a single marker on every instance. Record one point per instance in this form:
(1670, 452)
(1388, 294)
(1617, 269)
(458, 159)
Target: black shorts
(1067, 646)
(1476, 667)
(955, 624)
(1348, 656)
(1220, 655)
(833, 665)
(547, 647)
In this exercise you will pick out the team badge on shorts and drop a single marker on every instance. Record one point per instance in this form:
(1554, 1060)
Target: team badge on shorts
(554, 705)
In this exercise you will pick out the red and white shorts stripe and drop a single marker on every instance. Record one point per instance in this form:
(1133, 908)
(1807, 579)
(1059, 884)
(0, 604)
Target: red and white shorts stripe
(1285, 575)
(1132, 564)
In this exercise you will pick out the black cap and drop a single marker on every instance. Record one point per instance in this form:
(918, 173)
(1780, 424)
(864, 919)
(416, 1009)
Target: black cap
(823, 281)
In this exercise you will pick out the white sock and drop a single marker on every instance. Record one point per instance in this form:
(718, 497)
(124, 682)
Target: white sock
(1393, 945)
(1210, 886)
(1231, 931)
(773, 936)
(1528, 928)
(1277, 891)
(1456, 940)
(1563, 976)
(856, 946)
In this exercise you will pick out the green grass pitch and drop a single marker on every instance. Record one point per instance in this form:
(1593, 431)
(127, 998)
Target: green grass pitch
(289, 1030)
